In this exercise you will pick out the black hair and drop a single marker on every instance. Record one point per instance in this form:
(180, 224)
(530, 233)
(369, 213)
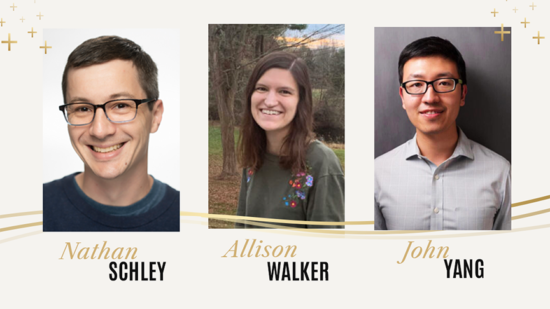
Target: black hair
(432, 46)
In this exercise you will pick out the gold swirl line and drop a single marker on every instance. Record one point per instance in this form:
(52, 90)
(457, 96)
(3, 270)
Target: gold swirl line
(19, 214)
(321, 231)
(250, 220)
(379, 235)
(232, 217)
(20, 236)
(22, 226)
(531, 214)
(531, 201)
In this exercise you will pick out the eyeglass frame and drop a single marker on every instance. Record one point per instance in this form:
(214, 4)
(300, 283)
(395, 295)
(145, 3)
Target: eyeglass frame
(456, 80)
(102, 106)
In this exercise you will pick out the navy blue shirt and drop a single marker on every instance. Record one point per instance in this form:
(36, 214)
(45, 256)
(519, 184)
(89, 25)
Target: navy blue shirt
(67, 208)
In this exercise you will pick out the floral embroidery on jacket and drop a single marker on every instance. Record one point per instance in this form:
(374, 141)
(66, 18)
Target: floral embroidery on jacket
(250, 172)
(301, 182)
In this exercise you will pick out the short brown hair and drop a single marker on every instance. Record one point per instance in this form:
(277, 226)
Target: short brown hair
(106, 48)
(253, 141)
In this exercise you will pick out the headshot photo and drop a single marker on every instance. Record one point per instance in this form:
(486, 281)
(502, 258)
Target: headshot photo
(277, 149)
(111, 131)
(442, 129)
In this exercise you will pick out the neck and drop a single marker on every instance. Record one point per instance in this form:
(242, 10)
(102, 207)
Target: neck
(437, 147)
(124, 190)
(275, 141)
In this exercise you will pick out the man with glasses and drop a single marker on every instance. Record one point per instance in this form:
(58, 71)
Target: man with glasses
(111, 106)
(439, 179)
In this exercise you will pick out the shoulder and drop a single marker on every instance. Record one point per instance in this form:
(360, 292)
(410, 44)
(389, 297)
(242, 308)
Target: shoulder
(56, 203)
(393, 156)
(323, 159)
(171, 191)
(487, 156)
(171, 195)
(53, 188)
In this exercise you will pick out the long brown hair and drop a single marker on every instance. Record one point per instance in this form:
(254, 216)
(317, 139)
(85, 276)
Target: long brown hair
(253, 141)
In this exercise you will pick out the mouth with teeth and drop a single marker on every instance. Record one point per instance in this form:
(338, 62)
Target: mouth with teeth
(108, 149)
(431, 113)
(270, 112)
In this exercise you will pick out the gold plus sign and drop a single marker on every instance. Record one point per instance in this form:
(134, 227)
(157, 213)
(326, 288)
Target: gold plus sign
(495, 13)
(45, 47)
(533, 6)
(39, 15)
(515, 10)
(525, 22)
(13, 6)
(32, 32)
(2, 22)
(9, 42)
(502, 32)
(538, 37)
(22, 19)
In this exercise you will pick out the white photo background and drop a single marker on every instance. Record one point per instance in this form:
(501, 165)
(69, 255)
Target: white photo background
(59, 158)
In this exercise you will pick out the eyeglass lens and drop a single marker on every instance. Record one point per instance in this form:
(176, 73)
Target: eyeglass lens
(116, 111)
(440, 85)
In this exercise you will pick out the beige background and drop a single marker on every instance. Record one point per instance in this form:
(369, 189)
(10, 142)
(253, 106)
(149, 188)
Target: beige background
(363, 268)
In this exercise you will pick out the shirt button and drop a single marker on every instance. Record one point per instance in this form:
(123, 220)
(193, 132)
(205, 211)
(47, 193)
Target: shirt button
(436, 210)
(436, 177)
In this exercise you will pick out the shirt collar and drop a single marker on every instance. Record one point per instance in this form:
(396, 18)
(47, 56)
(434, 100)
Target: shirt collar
(463, 147)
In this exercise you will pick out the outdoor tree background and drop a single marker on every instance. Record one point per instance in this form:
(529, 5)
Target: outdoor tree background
(233, 53)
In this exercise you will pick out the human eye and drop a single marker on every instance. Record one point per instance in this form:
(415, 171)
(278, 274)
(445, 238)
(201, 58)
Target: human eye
(444, 82)
(121, 105)
(285, 92)
(415, 84)
(79, 108)
(260, 89)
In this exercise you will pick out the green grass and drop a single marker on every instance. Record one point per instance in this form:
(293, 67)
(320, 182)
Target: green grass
(341, 154)
(215, 140)
(223, 194)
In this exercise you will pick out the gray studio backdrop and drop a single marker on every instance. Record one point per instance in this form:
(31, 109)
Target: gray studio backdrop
(487, 116)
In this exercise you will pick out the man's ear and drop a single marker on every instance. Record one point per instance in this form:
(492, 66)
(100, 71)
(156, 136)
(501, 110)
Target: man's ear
(463, 95)
(158, 110)
(401, 95)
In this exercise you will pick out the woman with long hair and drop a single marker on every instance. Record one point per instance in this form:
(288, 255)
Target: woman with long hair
(287, 173)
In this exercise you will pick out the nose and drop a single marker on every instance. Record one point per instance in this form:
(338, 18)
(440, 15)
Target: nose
(271, 99)
(101, 127)
(430, 97)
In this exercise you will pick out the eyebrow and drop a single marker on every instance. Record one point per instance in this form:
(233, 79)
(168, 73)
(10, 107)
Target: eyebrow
(440, 75)
(125, 95)
(283, 88)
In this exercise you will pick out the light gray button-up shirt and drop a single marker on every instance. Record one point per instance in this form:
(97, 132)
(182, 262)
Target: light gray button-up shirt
(469, 191)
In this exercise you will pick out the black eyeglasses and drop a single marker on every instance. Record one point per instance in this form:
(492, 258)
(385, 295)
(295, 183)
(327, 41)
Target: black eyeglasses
(441, 85)
(117, 111)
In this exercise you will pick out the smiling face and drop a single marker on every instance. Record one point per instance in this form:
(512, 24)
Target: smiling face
(274, 102)
(432, 113)
(107, 149)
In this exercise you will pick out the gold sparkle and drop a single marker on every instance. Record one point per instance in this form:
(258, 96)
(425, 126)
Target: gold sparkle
(2, 22)
(502, 32)
(9, 42)
(525, 23)
(533, 6)
(13, 6)
(515, 10)
(538, 37)
(32, 32)
(40, 15)
(45, 47)
(495, 13)
(22, 19)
